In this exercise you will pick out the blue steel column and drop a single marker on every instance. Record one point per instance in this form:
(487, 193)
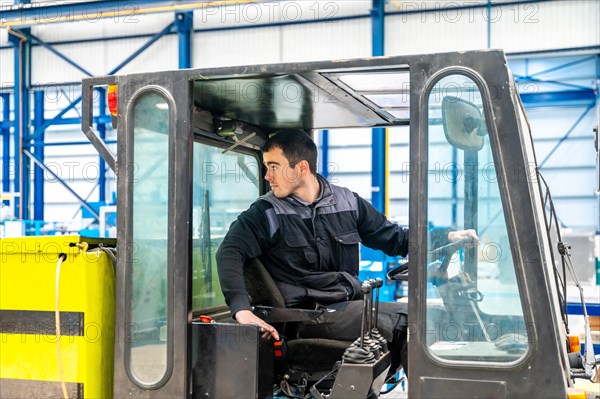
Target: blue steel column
(325, 153)
(5, 133)
(379, 139)
(38, 175)
(22, 56)
(101, 127)
(184, 22)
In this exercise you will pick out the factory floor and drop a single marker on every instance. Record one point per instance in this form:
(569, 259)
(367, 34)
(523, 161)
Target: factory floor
(592, 390)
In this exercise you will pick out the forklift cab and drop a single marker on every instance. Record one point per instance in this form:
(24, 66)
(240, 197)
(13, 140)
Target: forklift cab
(483, 318)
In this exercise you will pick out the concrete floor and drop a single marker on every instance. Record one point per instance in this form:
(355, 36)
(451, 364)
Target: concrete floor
(592, 390)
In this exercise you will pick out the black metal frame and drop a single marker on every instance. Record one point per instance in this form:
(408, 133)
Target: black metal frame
(534, 280)
(542, 373)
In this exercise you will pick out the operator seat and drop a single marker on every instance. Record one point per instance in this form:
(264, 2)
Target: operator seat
(311, 355)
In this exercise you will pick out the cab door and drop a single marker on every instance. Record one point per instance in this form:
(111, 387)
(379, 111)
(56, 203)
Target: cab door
(154, 254)
(483, 320)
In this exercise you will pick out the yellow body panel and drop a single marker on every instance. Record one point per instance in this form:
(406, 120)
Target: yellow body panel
(87, 285)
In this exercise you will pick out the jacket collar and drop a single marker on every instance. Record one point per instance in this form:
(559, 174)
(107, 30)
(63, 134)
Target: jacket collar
(326, 198)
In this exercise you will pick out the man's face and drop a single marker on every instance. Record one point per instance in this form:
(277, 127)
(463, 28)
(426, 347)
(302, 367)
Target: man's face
(283, 178)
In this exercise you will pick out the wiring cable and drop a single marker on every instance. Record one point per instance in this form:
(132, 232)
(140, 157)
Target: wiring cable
(61, 259)
(590, 371)
(110, 252)
(561, 283)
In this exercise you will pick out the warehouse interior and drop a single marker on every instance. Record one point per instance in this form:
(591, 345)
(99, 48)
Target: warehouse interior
(551, 48)
(54, 182)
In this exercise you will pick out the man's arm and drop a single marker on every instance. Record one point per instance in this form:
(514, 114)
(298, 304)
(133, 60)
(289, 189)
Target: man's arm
(247, 317)
(243, 242)
(379, 233)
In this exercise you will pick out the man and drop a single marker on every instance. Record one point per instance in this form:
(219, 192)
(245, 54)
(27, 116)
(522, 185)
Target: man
(306, 232)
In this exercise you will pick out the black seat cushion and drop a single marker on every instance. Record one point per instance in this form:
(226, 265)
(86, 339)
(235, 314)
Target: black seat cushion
(315, 354)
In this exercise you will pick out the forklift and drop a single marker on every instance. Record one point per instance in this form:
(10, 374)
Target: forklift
(486, 320)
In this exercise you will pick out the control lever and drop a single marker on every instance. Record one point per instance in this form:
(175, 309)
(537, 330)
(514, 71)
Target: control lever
(371, 344)
(364, 325)
(357, 352)
(362, 373)
(375, 334)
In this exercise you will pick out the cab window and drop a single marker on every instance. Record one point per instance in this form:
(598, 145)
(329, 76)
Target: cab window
(474, 309)
(149, 320)
(225, 184)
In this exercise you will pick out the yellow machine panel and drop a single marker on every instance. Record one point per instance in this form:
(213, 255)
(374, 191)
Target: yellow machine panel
(56, 341)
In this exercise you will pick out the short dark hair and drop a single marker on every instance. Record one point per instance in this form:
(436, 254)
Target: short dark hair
(296, 146)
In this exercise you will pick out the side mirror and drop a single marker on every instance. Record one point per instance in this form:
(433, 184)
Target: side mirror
(464, 126)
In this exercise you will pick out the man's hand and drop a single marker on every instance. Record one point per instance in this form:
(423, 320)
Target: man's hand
(459, 235)
(247, 317)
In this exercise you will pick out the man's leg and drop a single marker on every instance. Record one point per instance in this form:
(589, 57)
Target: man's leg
(399, 346)
(342, 321)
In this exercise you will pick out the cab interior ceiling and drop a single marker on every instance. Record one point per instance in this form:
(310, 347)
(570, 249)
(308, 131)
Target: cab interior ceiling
(269, 102)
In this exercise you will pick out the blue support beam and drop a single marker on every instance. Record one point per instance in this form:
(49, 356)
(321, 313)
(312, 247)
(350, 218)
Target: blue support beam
(149, 43)
(325, 153)
(184, 25)
(38, 174)
(524, 79)
(61, 181)
(554, 97)
(60, 55)
(562, 140)
(22, 58)
(40, 124)
(563, 66)
(379, 135)
(56, 119)
(77, 121)
(379, 169)
(593, 309)
(378, 27)
(5, 133)
(62, 143)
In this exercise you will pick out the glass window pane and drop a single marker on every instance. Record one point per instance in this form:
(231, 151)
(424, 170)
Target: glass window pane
(224, 186)
(474, 311)
(399, 113)
(381, 81)
(150, 236)
(390, 100)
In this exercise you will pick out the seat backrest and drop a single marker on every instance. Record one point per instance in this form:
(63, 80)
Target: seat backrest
(306, 354)
(260, 285)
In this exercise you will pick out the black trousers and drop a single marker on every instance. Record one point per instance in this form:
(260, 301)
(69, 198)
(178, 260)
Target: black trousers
(343, 321)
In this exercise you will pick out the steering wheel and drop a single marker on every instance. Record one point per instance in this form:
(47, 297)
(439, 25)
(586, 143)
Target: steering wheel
(438, 261)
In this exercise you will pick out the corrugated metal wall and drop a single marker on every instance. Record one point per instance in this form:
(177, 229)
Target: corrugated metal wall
(538, 26)
(557, 24)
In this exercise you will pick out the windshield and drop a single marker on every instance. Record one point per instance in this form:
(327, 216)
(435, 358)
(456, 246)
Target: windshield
(474, 309)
